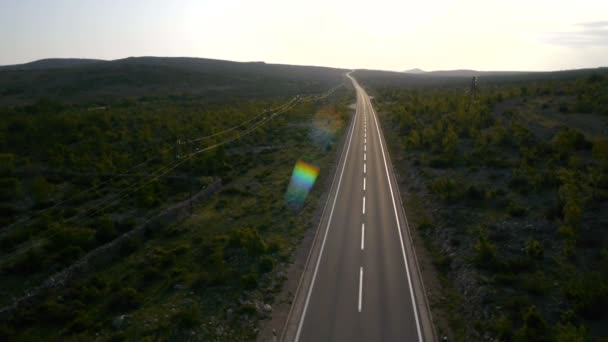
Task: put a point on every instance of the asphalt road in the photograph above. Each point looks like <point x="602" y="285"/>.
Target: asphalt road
<point x="361" y="282"/>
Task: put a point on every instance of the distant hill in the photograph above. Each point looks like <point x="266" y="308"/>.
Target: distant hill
<point x="459" y="72"/>
<point x="52" y="63"/>
<point x="73" y="80"/>
<point x="378" y="78"/>
<point x="415" y="71"/>
<point x="471" y="73"/>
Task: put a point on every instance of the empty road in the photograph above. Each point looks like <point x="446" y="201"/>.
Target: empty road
<point x="361" y="282"/>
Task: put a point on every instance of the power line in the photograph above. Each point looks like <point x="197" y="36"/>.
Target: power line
<point x="164" y="170"/>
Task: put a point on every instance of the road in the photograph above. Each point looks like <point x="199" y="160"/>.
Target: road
<point x="361" y="282"/>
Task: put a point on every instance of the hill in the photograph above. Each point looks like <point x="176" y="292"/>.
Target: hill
<point x="415" y="71"/>
<point x="52" y="63"/>
<point x="84" y="81"/>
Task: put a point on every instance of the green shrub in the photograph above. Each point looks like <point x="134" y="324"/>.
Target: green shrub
<point x="589" y="294"/>
<point x="105" y="230"/>
<point x="10" y="189"/>
<point x="187" y="318"/>
<point x="41" y="190"/>
<point x="247" y="239"/>
<point x="249" y="281"/>
<point x="568" y="139"/>
<point x="534" y="328"/>
<point x="516" y="210"/>
<point x="535" y="249"/>
<point x="600" y="149"/>
<point x="502" y="327"/>
<point x="445" y="188"/>
<point x="570" y="333"/>
<point x="66" y="236"/>
<point x="7" y="164"/>
<point x="485" y="250"/>
<point x="55" y="313"/>
<point x="266" y="264"/>
<point x="276" y="245"/>
<point x="35" y="259"/>
<point x="474" y="193"/>
<point x="125" y="299"/>
<point x="535" y="283"/>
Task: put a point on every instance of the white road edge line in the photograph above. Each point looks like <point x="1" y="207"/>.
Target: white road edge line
<point x="363" y="236"/>
<point x="407" y="269"/>
<point x="331" y="214"/>
<point x="360" y="286"/>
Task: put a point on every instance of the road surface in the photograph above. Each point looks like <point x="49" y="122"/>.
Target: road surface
<point x="361" y="282"/>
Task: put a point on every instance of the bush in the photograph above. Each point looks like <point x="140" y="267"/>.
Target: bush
<point x="535" y="249"/>
<point x="568" y="139"/>
<point x="187" y="318"/>
<point x="485" y="250"/>
<point x="247" y="239"/>
<point x="10" y="189"/>
<point x="32" y="261"/>
<point x="535" y="283"/>
<point x="41" y="190"/>
<point x="474" y="193"/>
<point x="502" y="327"/>
<point x="570" y="333"/>
<point x="105" y="230"/>
<point x="64" y="236"/>
<point x="445" y="188"/>
<point x="125" y="299"/>
<point x="516" y="210"/>
<point x="7" y="164"/>
<point x="589" y="294"/>
<point x="266" y="264"/>
<point x="600" y="149"/>
<point x="534" y="328"/>
<point x="249" y="281"/>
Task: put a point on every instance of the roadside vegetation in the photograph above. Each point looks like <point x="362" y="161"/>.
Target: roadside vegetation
<point x="513" y="181"/>
<point x="77" y="176"/>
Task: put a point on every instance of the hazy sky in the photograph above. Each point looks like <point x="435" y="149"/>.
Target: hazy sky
<point x="380" y="34"/>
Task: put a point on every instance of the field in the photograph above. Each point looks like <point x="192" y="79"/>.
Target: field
<point x="507" y="185"/>
<point x="99" y="238"/>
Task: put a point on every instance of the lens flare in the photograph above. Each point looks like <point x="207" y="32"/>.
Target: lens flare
<point x="325" y="125"/>
<point x="302" y="179"/>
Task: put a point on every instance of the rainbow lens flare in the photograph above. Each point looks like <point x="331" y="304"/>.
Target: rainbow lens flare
<point x="302" y="179"/>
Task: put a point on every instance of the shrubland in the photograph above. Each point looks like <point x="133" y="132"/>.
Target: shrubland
<point x="513" y="176"/>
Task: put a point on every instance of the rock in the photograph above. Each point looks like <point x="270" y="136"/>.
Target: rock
<point x="120" y="322"/>
<point x="267" y="308"/>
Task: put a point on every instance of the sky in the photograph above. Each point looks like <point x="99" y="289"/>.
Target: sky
<point x="379" y="34"/>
